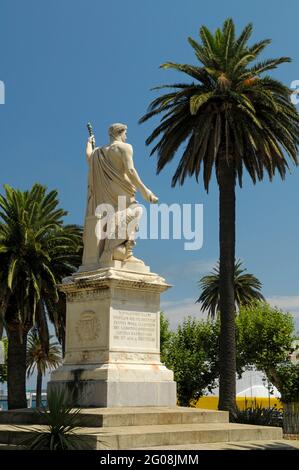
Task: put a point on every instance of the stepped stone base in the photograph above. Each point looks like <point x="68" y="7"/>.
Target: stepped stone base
<point x="146" y="428"/>
<point x="124" y="416"/>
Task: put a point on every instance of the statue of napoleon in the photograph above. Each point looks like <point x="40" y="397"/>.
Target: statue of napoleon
<point x="112" y="176"/>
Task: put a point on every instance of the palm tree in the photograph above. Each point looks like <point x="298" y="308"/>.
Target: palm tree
<point x="231" y="117"/>
<point x="41" y="360"/>
<point x="247" y="289"/>
<point x="36" y="252"/>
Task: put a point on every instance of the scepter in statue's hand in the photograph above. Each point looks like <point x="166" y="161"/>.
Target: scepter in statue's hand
<point x="91" y="135"/>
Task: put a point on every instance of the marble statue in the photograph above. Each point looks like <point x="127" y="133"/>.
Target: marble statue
<point x="112" y="349"/>
<point x="112" y="174"/>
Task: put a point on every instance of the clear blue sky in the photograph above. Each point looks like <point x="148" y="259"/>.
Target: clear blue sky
<point x="67" y="62"/>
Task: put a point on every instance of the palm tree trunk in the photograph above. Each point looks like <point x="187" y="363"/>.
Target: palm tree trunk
<point x="39" y="380"/>
<point x="227" y="359"/>
<point x="3" y="306"/>
<point x="16" y="367"/>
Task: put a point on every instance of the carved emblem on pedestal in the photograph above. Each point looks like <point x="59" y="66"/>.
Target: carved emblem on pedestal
<point x="88" y="327"/>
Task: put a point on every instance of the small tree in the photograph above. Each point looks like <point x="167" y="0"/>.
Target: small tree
<point x="264" y="338"/>
<point x="192" y="354"/>
<point x="165" y="336"/>
<point x="40" y="359"/>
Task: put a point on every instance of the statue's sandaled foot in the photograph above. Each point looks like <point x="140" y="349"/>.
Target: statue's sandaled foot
<point x="132" y="259"/>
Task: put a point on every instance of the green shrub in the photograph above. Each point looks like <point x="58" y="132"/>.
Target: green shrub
<point x="258" y="415"/>
<point x="61" y="424"/>
<point x="288" y="378"/>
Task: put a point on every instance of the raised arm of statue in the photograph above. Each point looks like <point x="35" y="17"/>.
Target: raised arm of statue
<point x="127" y="153"/>
<point x="89" y="148"/>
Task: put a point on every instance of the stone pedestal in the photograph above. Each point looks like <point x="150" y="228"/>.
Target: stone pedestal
<point x="113" y="339"/>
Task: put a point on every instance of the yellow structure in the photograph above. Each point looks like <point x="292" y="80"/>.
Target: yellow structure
<point x="211" y="402"/>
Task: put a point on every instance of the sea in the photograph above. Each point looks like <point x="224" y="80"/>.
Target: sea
<point x="31" y="401"/>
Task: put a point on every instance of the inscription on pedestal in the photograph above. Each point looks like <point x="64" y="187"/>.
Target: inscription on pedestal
<point x="134" y="330"/>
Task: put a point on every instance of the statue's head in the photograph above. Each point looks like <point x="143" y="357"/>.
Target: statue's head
<point x="118" y="132"/>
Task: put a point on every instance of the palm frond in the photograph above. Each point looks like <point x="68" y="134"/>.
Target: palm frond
<point x="259" y="125"/>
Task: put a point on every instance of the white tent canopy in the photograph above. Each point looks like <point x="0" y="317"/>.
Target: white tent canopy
<point x="252" y="384"/>
<point x="259" y="391"/>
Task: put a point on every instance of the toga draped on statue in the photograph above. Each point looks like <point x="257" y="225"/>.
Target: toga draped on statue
<point x="105" y="183"/>
<point x="112" y="213"/>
